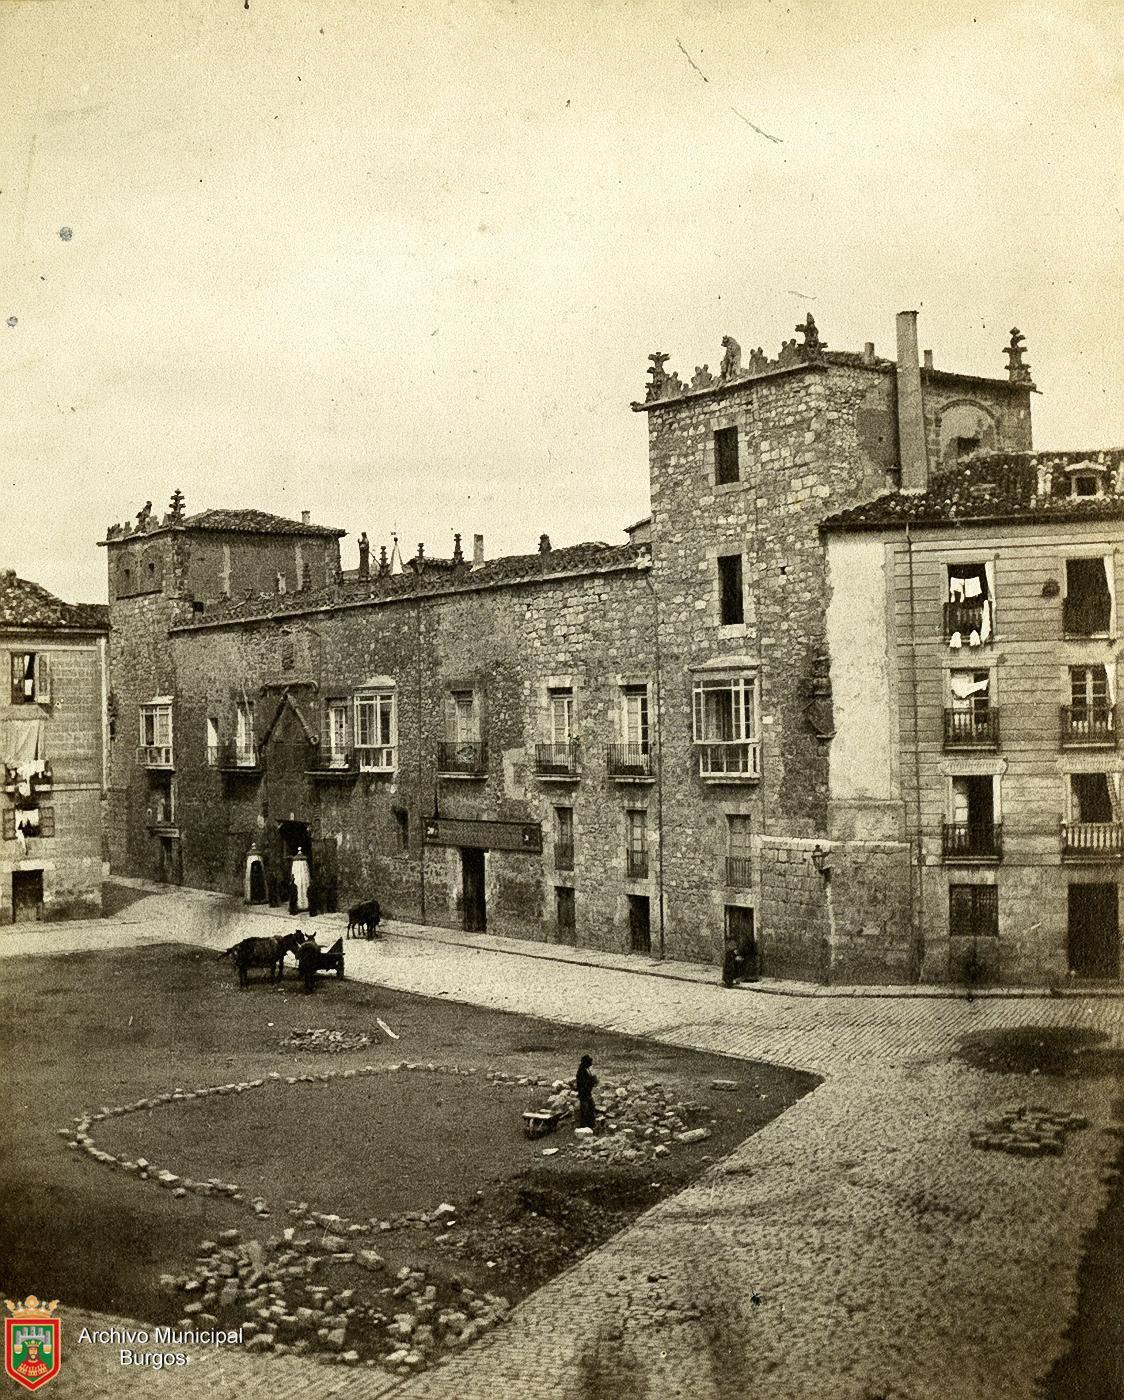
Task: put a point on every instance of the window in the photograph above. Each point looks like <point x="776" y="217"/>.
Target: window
<point x="725" y="727"/>
<point x="22" y="822"/>
<point x="1094" y="829"/>
<point x="338" y="733"/>
<point x="1086" y="486"/>
<point x="402" y="823"/>
<point x="164" y="804"/>
<point x="636" y="853"/>
<point x="564" y="913"/>
<point x="245" y="753"/>
<point x="156" y="735"/>
<point x="973" y="911"/>
<point x="739" y="869"/>
<point x="1088" y="597"/>
<point x="1089" y="718"/>
<point x="970" y="716"/>
<point x="560" y="705"/>
<point x="1092" y="797"/>
<point x="731" y="605"/>
<point x="31" y="678"/>
<point x="563" y="838"/>
<point x="288" y="651"/>
<point x="635" y="717"/>
<point x="726" y="468"/>
<point x="969" y="611"/>
<point x="375" y="726"/>
<point x="212" y="740"/>
<point x="972" y="833"/>
<point x="463" y="726"/>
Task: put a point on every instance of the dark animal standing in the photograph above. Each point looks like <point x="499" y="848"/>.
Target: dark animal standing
<point x="364" y="919"/>
<point x="311" y="959"/>
<point x="264" y="952"/>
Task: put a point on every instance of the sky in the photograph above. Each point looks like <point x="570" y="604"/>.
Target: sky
<point x="402" y="265"/>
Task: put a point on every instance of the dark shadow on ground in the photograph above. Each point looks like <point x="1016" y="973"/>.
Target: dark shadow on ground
<point x="1057" y="1051"/>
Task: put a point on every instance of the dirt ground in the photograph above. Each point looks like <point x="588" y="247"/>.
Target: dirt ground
<point x="85" y="1031"/>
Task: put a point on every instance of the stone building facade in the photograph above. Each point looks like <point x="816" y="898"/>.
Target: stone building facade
<point x="975" y="648"/>
<point x="52" y="741"/>
<point x="626" y="747"/>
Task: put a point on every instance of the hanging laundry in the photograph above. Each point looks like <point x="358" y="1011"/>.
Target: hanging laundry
<point x="962" y="685"/>
<point x="974" y="638"/>
<point x="985" y="621"/>
<point x="954" y="641"/>
<point x="972" y="588"/>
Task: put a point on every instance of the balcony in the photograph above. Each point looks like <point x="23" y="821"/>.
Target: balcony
<point x="964" y="618"/>
<point x="375" y="758"/>
<point x="563" y="855"/>
<point x="736" y="761"/>
<point x="340" y="766"/>
<point x="971" y="841"/>
<point x="559" y="761"/>
<point x="27" y="779"/>
<point x="465" y="758"/>
<point x="1092" y="840"/>
<point x="630" y="763"/>
<point x="739" y="872"/>
<point x="154" y="756"/>
<point x="1092" y="726"/>
<point x="636" y="865"/>
<point x="971" y="729"/>
<point x="234" y="757"/>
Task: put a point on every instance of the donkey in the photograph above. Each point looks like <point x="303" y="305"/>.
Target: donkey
<point x="264" y="952"/>
<point x="363" y="920"/>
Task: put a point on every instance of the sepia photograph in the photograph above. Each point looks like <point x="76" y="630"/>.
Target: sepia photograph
<point x="562" y="832"/>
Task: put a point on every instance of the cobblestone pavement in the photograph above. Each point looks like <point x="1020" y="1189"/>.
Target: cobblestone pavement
<point x="855" y="1248"/>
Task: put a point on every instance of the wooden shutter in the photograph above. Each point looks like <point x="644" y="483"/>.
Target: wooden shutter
<point x="9" y="824"/>
<point x="46" y="821"/>
<point x="43" y="679"/>
<point x="17" y="677"/>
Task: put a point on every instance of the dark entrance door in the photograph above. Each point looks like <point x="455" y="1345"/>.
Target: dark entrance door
<point x="739" y="930"/>
<point x="472" y="883"/>
<point x="27" y="896"/>
<point x="258" y="892"/>
<point x="1094" y="931"/>
<point x="293" y="836"/>
<point x="171" y="866"/>
<point x="639" y="924"/>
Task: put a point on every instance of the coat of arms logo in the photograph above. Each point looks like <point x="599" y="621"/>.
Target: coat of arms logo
<point x="32" y="1342"/>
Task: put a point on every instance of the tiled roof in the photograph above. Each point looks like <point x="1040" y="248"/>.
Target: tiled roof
<point x="504" y="572"/>
<point x="256" y="522"/>
<point x="243" y="522"/>
<point x="999" y="486"/>
<point x="28" y="605"/>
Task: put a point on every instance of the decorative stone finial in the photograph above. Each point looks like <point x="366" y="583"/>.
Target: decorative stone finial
<point x="144" y="517"/>
<point x="731" y="358"/>
<point x="383" y="565"/>
<point x="1017" y="372"/>
<point x="811" y="352"/>
<point x="702" y="377"/>
<point x="364" y="556"/>
<point x="458" y="553"/>
<point x="655" y="387"/>
<point x="176" y="506"/>
<point x="544" y="544"/>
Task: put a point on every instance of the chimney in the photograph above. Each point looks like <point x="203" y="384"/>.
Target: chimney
<point x="477" y="551"/>
<point x="306" y="516"/>
<point x="911" y="408"/>
<point x="868" y="353"/>
<point x="364" y="556"/>
<point x="928" y="359"/>
<point x="544" y="544"/>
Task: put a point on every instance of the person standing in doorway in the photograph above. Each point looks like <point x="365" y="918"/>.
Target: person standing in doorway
<point x="585" y="1082"/>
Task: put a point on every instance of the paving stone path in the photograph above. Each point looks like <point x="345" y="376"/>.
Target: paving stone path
<point x="857" y="1248"/>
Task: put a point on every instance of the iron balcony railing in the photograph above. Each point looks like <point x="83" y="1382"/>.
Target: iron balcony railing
<point x="964" y="618"/>
<point x="462" y="756"/>
<point x="629" y="761"/>
<point x="154" y="755"/>
<point x="1089" y="724"/>
<point x="1093" y="840"/>
<point x="972" y="840"/>
<point x="563" y="855"/>
<point x="557" y="760"/>
<point x="237" y="757"/>
<point x="739" y="872"/>
<point x="636" y="865"/>
<point x="975" y="729"/>
<point x="341" y="764"/>
<point x="740" y="758"/>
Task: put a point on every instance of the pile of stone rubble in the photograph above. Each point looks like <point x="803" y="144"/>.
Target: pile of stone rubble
<point x="287" y="1308"/>
<point x="331" y="1042"/>
<point x="1027" y="1131"/>
<point x="638" y="1121"/>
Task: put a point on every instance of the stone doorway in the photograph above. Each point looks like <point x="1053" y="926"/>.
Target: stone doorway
<point x="1093" y="941"/>
<point x="27" y="896"/>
